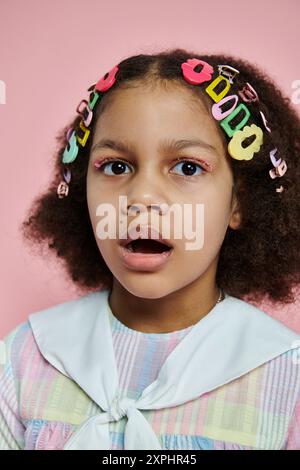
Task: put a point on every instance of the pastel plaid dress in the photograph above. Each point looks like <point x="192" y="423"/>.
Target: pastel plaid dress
<point x="42" y="408"/>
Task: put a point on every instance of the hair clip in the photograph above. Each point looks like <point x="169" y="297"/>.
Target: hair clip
<point x="69" y="132"/>
<point x="94" y="96"/>
<point x="280" y="166"/>
<point x="62" y="189"/>
<point x="217" y="113"/>
<point x="107" y="81"/>
<point x="228" y="71"/>
<point x="248" y="94"/>
<point x="225" y="123"/>
<point x="279" y="170"/>
<point x="80" y="111"/>
<point x="196" y="78"/>
<point x="265" y="121"/>
<point x="235" y="148"/>
<point x="275" y="162"/>
<point x="210" y="89"/>
<point x="67" y="175"/>
<point x="86" y="133"/>
<point x="71" y="150"/>
<point x="85" y="112"/>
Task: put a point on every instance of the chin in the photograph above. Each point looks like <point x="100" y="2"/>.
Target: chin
<point x="147" y="287"/>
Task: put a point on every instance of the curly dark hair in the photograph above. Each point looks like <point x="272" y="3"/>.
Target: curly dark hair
<point x="259" y="259"/>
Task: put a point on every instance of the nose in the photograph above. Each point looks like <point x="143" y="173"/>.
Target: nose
<point x="144" y="194"/>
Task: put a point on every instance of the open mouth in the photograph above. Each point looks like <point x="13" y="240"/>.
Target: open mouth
<point x="147" y="246"/>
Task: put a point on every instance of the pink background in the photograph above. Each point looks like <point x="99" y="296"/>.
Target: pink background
<point x="52" y="50"/>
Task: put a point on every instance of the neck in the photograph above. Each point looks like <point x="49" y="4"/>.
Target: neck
<point x="175" y="311"/>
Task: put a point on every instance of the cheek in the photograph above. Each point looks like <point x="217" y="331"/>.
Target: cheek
<point x="99" y="202"/>
<point x="92" y="207"/>
<point x="90" y="194"/>
<point x="216" y="219"/>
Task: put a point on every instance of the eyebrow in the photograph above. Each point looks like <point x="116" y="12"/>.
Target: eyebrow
<point x="166" y="145"/>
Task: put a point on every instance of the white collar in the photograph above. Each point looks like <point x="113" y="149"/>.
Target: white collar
<point x="75" y="337"/>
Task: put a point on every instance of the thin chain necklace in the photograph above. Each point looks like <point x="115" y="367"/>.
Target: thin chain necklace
<point x="221" y="296"/>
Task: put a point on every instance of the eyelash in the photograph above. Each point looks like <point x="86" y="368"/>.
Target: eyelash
<point x="100" y="166"/>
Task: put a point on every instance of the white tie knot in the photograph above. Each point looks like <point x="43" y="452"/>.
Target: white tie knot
<point x="119" y="407"/>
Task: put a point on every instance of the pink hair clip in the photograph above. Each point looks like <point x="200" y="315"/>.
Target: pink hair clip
<point x="69" y="132"/>
<point x="85" y="112"/>
<point x="196" y="78"/>
<point x="107" y="81"/>
<point x="248" y="94"/>
<point x="279" y="170"/>
<point x="63" y="187"/>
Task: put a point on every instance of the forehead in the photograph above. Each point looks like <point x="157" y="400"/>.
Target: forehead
<point x="141" y="113"/>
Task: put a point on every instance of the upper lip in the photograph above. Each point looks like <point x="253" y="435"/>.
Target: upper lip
<point x="143" y="234"/>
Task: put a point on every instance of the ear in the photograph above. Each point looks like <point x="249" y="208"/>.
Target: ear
<point x="236" y="215"/>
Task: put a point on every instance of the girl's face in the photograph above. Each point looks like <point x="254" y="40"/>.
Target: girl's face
<point x="147" y="121"/>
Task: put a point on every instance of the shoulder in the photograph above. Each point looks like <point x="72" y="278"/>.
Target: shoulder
<point x="286" y="368"/>
<point x="282" y="372"/>
<point x="70" y="310"/>
<point x="19" y="352"/>
<point x="19" y="347"/>
<point x="250" y="320"/>
<point x="21" y="340"/>
<point x="14" y="342"/>
<point x="58" y="328"/>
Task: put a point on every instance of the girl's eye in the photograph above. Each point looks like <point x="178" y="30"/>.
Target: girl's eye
<point x="189" y="167"/>
<point x="117" y="167"/>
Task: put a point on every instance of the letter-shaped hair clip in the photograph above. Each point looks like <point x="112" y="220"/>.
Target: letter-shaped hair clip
<point x="279" y="170"/>
<point x="225" y="123"/>
<point x="196" y="78"/>
<point x="69" y="132"/>
<point x="210" y="89"/>
<point x="80" y="108"/>
<point x="216" y="110"/>
<point x="280" y="166"/>
<point x="71" y="150"/>
<point x="235" y="148"/>
<point x="86" y="133"/>
<point x="86" y="113"/>
<point x="265" y="121"/>
<point x="94" y="96"/>
<point x="67" y="175"/>
<point x="107" y="81"/>
<point x="275" y="162"/>
<point x="248" y="94"/>
<point x="63" y="187"/>
<point x="228" y="72"/>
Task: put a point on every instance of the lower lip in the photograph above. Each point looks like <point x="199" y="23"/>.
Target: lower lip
<point x="144" y="261"/>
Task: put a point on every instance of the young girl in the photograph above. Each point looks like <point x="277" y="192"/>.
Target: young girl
<point x="161" y="351"/>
